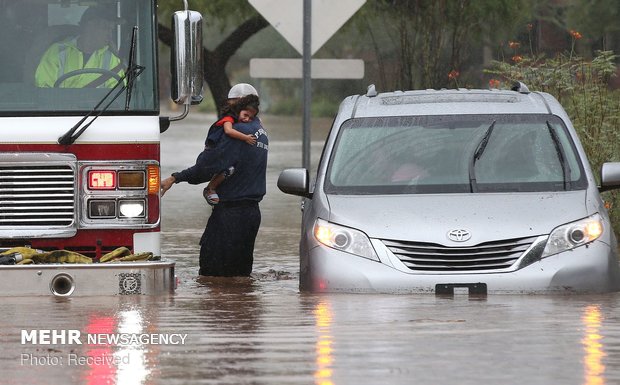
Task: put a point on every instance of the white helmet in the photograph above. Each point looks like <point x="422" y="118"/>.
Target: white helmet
<point x="241" y="90"/>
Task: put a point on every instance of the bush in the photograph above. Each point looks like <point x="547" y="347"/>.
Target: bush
<point x="321" y="107"/>
<point x="324" y="107"/>
<point x="582" y="87"/>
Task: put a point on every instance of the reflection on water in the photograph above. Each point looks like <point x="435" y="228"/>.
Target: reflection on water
<point x="231" y="310"/>
<point x="100" y="370"/>
<point x="120" y="362"/>
<point x="132" y="368"/>
<point x="592" y="341"/>
<point x="324" y="359"/>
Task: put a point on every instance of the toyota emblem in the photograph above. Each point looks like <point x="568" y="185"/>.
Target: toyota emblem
<point x="459" y="235"/>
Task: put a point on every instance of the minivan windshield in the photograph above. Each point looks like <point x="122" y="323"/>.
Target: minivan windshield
<point x="454" y="154"/>
<point x="63" y="57"/>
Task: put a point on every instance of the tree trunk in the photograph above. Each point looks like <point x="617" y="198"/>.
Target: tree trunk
<point x="214" y="62"/>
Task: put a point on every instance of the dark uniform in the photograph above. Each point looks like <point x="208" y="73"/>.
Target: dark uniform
<point x="227" y="244"/>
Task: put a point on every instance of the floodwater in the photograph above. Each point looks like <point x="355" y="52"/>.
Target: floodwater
<point x="261" y="330"/>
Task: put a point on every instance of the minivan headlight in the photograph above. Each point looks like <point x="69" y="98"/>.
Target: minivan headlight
<point x="344" y="239"/>
<point x="573" y="235"/>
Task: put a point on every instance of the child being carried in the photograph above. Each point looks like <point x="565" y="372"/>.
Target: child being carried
<point x="242" y="110"/>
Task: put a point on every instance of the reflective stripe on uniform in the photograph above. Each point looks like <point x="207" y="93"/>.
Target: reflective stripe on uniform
<point x="62" y="59"/>
<point x="107" y="58"/>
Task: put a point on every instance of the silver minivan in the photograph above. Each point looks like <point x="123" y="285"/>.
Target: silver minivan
<point x="477" y="191"/>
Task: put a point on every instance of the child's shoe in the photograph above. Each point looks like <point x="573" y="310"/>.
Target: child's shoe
<point x="211" y="196"/>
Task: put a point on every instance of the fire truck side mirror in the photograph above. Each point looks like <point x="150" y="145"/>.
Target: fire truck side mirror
<point x="186" y="57"/>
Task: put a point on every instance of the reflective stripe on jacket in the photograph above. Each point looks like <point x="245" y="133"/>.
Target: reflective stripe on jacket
<point x="64" y="57"/>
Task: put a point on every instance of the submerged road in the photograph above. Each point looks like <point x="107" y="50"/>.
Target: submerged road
<point x="261" y="330"/>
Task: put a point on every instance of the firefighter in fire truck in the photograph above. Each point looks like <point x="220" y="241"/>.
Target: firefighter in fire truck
<point x="88" y="60"/>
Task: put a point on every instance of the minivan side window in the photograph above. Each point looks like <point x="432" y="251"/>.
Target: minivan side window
<point x="454" y="154"/>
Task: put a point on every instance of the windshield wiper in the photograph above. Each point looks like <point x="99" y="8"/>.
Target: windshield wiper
<point x="133" y="71"/>
<point x="482" y="145"/>
<point x="131" y="75"/>
<point x="561" y="156"/>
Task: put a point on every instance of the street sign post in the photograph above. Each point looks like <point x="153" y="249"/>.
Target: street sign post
<point x="286" y="16"/>
<point x="321" y="68"/>
<point x="319" y="20"/>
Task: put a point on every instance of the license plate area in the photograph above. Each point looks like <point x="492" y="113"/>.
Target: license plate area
<point x="461" y="288"/>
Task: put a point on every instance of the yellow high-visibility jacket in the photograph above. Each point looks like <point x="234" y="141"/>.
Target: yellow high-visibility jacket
<point x="64" y="57"/>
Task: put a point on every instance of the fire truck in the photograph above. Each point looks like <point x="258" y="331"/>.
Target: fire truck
<point x="79" y="156"/>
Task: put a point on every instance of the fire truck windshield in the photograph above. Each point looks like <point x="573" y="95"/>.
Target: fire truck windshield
<point x="63" y="57"/>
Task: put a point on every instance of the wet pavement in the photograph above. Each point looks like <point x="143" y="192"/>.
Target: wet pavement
<point x="261" y="330"/>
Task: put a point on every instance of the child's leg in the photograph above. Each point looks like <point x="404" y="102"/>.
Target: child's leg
<point x="216" y="181"/>
<point x="209" y="192"/>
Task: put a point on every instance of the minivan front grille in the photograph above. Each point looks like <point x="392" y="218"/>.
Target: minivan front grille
<point x="431" y="257"/>
<point x="36" y="195"/>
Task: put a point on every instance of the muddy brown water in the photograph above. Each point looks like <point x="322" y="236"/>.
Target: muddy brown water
<point x="261" y="330"/>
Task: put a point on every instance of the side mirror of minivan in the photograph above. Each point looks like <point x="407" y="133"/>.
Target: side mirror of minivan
<point x="295" y="181"/>
<point x="610" y="176"/>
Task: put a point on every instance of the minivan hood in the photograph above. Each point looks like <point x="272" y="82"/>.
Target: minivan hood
<point x="429" y="218"/>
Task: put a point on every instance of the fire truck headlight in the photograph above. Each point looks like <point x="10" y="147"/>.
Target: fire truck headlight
<point x="131" y="208"/>
<point x="102" y="208"/>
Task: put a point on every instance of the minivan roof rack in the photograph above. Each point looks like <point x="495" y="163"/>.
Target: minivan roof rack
<point x="520" y="87"/>
<point x="372" y="91"/>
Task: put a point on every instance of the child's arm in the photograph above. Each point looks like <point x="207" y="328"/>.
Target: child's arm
<point x="230" y="131"/>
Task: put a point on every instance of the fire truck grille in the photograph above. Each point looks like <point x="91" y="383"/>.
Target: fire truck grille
<point x="37" y="195"/>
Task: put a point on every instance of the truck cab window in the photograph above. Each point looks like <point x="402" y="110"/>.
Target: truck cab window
<point x="64" y="57"/>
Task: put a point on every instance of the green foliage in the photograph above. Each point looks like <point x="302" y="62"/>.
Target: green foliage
<point x="221" y="11"/>
<point x="405" y="44"/>
<point x="324" y="107"/>
<point x="286" y="107"/>
<point x="594" y="17"/>
<point x="321" y="107"/>
<point x="581" y="86"/>
<point x="418" y="42"/>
